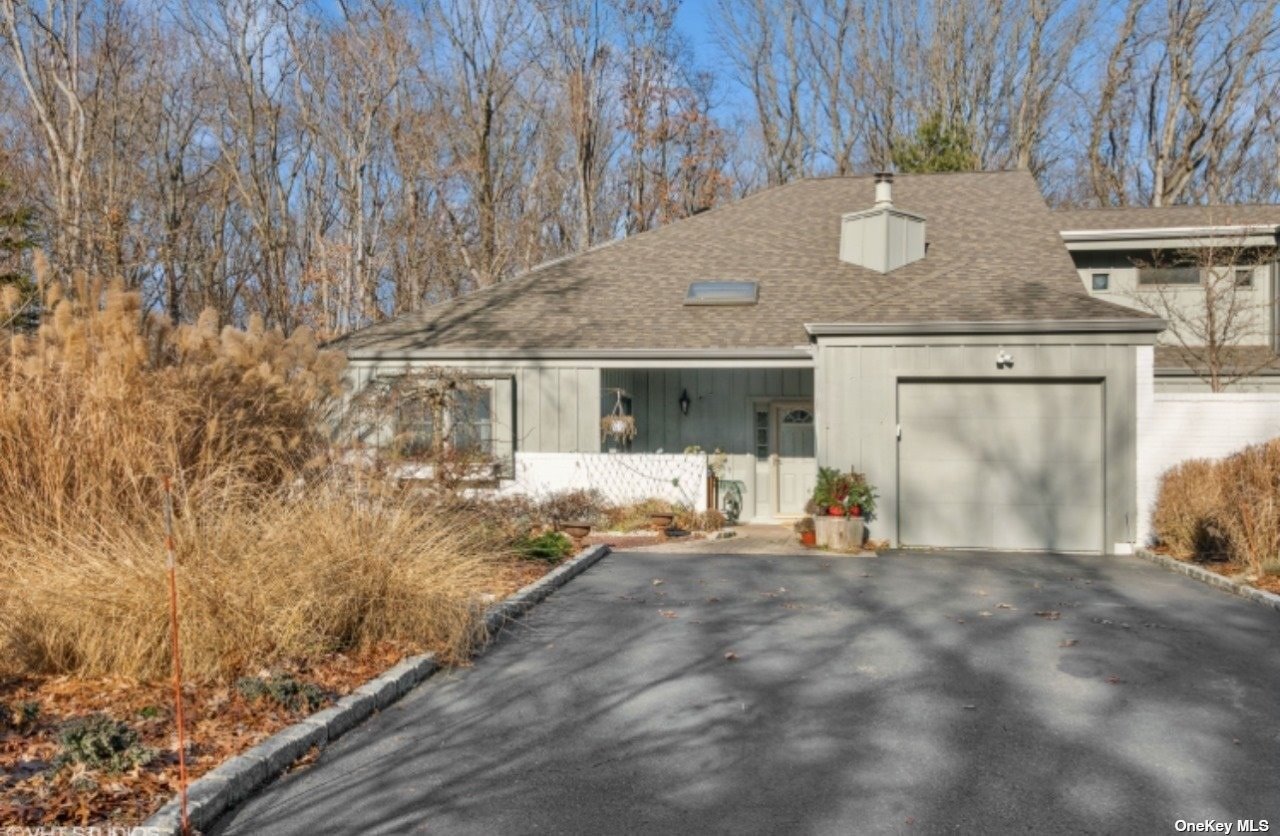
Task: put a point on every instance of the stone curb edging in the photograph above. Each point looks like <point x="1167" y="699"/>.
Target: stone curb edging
<point x="1258" y="596"/>
<point x="235" y="779"/>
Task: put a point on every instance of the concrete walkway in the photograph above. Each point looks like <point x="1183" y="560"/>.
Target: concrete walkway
<point x="741" y="693"/>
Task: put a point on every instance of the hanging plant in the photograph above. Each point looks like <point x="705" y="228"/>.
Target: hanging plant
<point x="616" y="424"/>
<point x="621" y="427"/>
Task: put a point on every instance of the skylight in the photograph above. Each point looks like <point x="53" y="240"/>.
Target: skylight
<point x="722" y="293"/>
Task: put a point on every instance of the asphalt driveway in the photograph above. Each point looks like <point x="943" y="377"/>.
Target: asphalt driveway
<point x="895" y="694"/>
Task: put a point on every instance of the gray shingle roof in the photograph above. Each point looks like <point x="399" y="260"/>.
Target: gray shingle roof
<point x="994" y="254"/>
<point x="1244" y="359"/>
<point x="1145" y="217"/>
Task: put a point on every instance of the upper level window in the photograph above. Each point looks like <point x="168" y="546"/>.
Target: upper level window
<point x="1101" y="281"/>
<point x="1244" y="277"/>
<point x="1188" y="274"/>
<point x="722" y="293"/>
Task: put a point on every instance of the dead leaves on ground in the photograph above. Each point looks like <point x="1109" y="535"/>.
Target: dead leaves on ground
<point x="221" y="724"/>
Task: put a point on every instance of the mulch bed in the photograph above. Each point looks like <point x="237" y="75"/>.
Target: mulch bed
<point x="220" y="721"/>
<point x="1228" y="569"/>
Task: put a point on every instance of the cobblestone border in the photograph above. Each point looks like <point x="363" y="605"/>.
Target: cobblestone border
<point x="1258" y="596"/>
<point x="235" y="779"/>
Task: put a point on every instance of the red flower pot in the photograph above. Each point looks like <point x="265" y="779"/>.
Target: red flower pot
<point x="835" y="511"/>
<point x="855" y="511"/>
<point x="808" y="538"/>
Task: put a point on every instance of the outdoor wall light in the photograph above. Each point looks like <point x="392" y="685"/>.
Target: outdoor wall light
<point x="1004" y="360"/>
<point x="684" y="402"/>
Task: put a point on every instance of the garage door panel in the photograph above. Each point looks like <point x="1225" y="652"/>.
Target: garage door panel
<point x="1036" y="527"/>
<point x="1015" y="465"/>
<point x="957" y="522"/>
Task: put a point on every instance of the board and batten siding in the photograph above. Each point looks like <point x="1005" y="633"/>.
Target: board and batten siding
<point x="556" y="408"/>
<point x="856" y="396"/>
<point x="720" y="410"/>
<point x="721" y="415"/>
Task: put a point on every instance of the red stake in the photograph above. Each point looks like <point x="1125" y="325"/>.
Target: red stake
<point x="177" y="654"/>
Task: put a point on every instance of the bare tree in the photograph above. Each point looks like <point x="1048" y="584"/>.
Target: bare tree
<point x="1213" y="297"/>
<point x="763" y="40"/>
<point x="581" y="68"/>
<point x="1184" y="99"/>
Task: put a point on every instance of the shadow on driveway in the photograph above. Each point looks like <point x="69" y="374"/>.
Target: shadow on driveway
<point x="909" y="693"/>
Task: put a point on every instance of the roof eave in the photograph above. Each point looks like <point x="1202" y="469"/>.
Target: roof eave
<point x="639" y="354"/>
<point x="1071" y="236"/>
<point x="1125" y="325"/>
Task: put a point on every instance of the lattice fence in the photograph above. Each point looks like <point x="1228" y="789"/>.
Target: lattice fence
<point x="622" y="477"/>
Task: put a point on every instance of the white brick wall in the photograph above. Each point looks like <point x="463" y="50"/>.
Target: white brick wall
<point x="622" y="477"/>
<point x="1174" y="427"/>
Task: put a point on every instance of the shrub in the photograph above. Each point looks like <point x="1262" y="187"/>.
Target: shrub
<point x="1250" y="511"/>
<point x="587" y="506"/>
<point x="283" y="690"/>
<point x="551" y="546"/>
<point x="635" y="517"/>
<point x="708" y="520"/>
<point x="99" y="742"/>
<point x="280" y="558"/>
<point x="1226" y="509"/>
<point x="1188" y="508"/>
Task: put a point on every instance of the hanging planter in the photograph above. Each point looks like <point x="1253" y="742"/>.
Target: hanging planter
<point x="617" y="425"/>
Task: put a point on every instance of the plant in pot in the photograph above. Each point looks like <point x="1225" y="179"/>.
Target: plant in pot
<point x="841" y="490"/>
<point x="826" y="492"/>
<point x="807" y="531"/>
<point x="862" y="497"/>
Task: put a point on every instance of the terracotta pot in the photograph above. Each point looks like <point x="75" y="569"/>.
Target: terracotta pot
<point x="808" y="538"/>
<point x="835" y="511"/>
<point x="576" y="530"/>
<point x="662" y="521"/>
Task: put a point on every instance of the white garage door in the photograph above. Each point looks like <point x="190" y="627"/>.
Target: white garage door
<point x="1014" y="465"/>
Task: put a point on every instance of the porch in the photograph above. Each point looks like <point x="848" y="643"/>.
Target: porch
<point x="761" y="419"/>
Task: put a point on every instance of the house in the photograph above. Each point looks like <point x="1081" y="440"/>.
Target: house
<point x="940" y="333"/>
<point x="1160" y="260"/>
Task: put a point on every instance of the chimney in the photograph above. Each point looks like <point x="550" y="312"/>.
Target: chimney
<point x="882" y="238"/>
<point x="884" y="189"/>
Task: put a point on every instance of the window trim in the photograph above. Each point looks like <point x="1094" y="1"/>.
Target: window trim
<point x="1106" y="282"/>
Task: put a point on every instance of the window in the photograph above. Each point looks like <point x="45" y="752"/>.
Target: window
<point x="1244" y="277"/>
<point x="762" y="434"/>
<point x="414" y="428"/>
<point x="798" y="416"/>
<point x="722" y="293"/>
<point x="471" y="421"/>
<point x="1179" y="274"/>
<point x="1101" y="281"/>
<point x="468" y="424"/>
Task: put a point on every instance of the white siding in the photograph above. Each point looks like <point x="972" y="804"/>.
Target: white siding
<point x="1174" y="427"/>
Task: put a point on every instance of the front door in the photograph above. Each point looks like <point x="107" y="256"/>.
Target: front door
<point x="794" y="467"/>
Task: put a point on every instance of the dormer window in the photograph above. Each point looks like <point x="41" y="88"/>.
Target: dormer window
<point x="722" y="293"/>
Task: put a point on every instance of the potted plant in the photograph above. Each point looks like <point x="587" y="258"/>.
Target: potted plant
<point x="862" y="497"/>
<point x="662" y="520"/>
<point x="577" y="529"/>
<point x="807" y="531"/>
<point x="824" y="493"/>
<point x="841" y="489"/>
